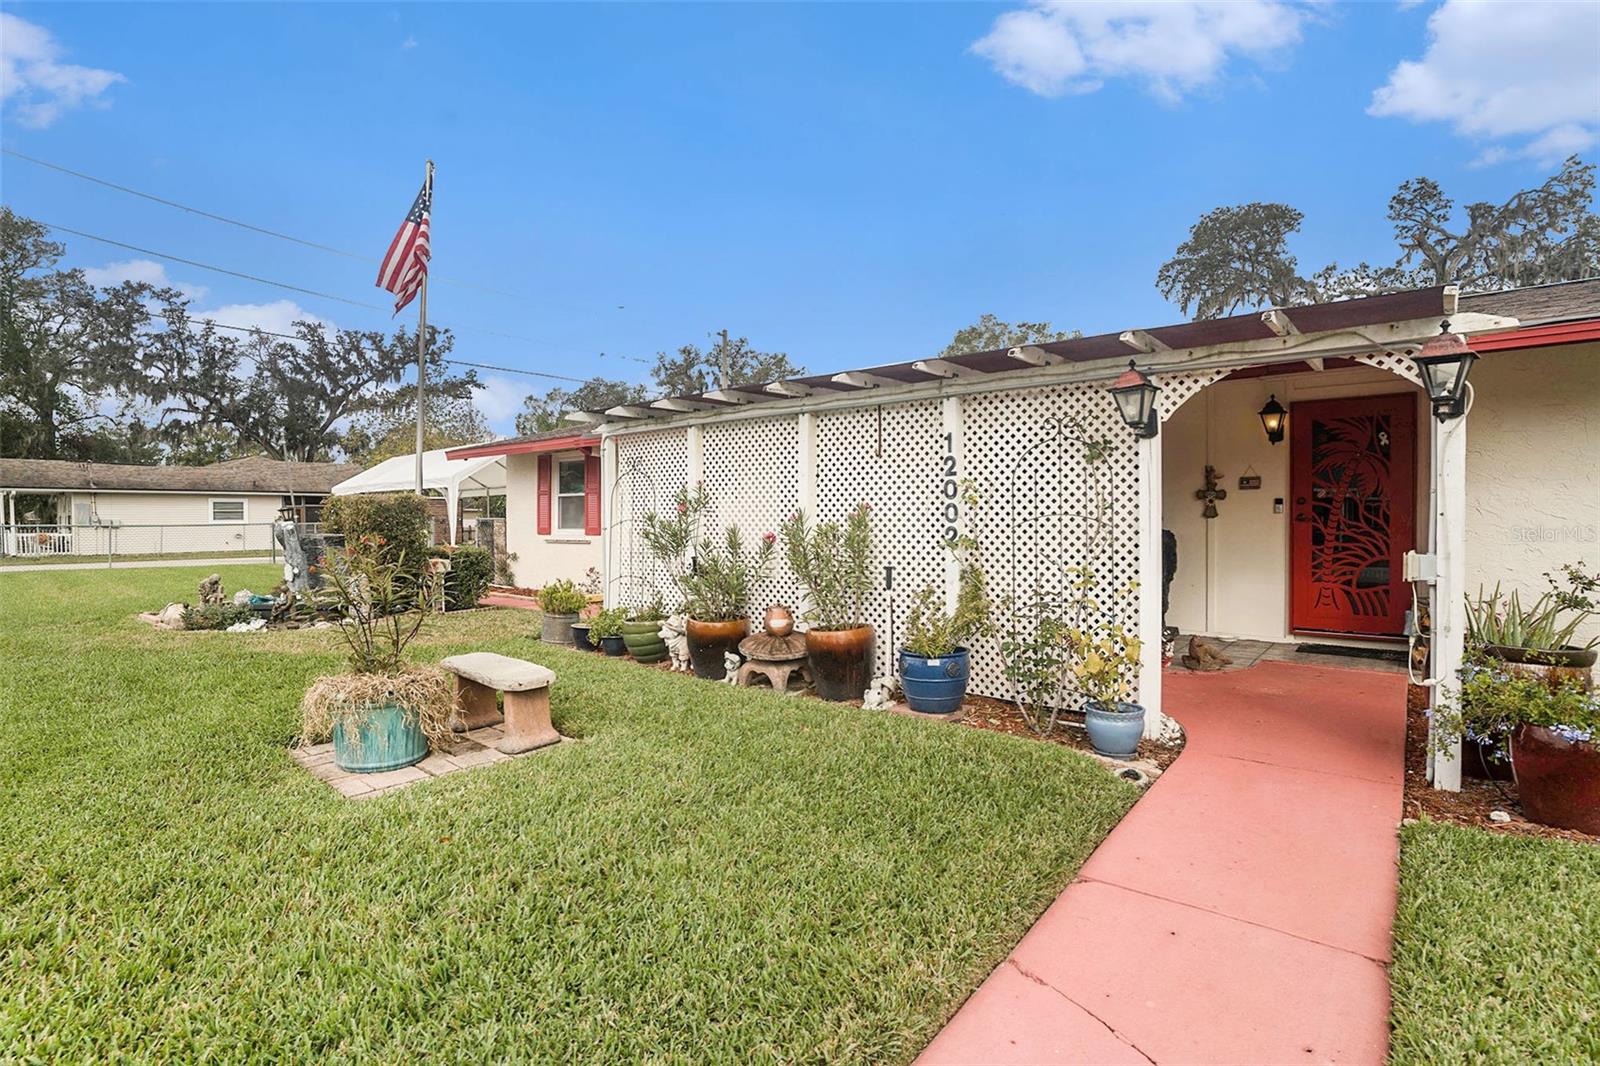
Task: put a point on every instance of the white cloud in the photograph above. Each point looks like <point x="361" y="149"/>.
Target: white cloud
<point x="147" y="271"/>
<point x="408" y="44"/>
<point x="276" y="317"/>
<point x="1174" y="47"/>
<point x="499" y="399"/>
<point x="1525" y="73"/>
<point x="34" y="85"/>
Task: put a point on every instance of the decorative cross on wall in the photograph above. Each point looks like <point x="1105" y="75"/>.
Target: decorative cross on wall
<point x="1211" y="494"/>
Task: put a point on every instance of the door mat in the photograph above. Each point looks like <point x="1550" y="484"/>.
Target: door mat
<point x="1388" y="655"/>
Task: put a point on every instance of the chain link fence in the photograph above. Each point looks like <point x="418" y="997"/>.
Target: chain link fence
<point x="80" y="544"/>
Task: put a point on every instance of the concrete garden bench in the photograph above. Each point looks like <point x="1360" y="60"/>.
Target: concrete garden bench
<point x="480" y="674"/>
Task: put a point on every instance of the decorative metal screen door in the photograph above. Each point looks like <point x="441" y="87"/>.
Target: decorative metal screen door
<point x="1354" y="486"/>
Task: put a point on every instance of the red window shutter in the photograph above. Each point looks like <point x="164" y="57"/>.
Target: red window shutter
<point x="544" y="494"/>
<point x="591" y="495"/>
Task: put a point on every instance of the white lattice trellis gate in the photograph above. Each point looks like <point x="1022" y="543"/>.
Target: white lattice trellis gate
<point x="1038" y="510"/>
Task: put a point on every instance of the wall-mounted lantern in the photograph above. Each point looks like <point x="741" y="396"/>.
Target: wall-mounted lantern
<point x="1445" y="361"/>
<point x="1273" y="417"/>
<point x="1136" y="400"/>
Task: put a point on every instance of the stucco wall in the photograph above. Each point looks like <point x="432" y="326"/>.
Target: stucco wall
<point x="1233" y="570"/>
<point x="540" y="559"/>
<point x="1533" y="467"/>
<point x="184" y="521"/>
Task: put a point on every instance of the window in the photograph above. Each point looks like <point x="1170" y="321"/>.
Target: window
<point x="227" y="510"/>
<point x="569" y="495"/>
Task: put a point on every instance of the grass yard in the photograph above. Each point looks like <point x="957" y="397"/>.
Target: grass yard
<point x="711" y="875"/>
<point x="1497" y="948"/>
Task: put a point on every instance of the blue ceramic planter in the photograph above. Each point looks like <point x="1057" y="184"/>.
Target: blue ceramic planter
<point x="1114" y="731"/>
<point x="387" y="739"/>
<point x="934" y="685"/>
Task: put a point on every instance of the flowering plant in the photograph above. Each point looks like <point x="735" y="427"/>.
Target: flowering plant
<point x="833" y="561"/>
<point x="1496" y="698"/>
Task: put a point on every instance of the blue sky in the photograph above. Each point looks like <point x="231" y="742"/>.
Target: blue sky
<point x="847" y="183"/>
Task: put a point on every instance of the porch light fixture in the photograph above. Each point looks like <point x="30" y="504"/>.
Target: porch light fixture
<point x="1444" y="362"/>
<point x="1136" y="400"/>
<point x="1273" y="417"/>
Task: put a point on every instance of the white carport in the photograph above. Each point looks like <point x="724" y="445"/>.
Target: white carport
<point x="450" y="478"/>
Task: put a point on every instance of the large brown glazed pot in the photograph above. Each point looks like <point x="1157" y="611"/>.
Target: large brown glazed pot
<point x="709" y="642"/>
<point x="840" y="662"/>
<point x="1558" y="780"/>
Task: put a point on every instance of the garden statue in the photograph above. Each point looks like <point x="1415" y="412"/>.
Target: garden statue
<point x="880" y="694"/>
<point x="730" y="667"/>
<point x="675" y="633"/>
<point x="211" y="590"/>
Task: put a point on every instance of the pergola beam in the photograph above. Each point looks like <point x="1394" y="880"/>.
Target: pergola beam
<point x="861" y="379"/>
<point x="1279" y="323"/>
<point x="628" y="411"/>
<point x="943" y="368"/>
<point x="1141" y="341"/>
<point x="1033" y="355"/>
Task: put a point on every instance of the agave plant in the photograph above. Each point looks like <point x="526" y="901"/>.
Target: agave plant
<point x="1550" y="623"/>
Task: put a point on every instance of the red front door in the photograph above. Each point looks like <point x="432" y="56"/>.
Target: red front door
<point x="1354" y="492"/>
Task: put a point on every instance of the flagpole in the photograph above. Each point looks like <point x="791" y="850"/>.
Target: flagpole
<point x="422" y="341"/>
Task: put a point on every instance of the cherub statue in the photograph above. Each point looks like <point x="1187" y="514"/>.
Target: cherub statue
<point x="880" y="694"/>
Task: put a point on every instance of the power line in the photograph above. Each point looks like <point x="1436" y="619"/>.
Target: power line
<point x="292" y="288"/>
<point x="236" y="222"/>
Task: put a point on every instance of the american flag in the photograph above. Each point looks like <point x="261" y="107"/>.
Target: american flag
<point x="406" y="262"/>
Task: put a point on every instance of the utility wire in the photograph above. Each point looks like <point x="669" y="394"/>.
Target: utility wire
<point x="235" y="222"/>
<point x="286" y="285"/>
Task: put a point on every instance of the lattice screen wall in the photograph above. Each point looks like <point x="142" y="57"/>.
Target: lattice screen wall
<point x="1039" y="510"/>
<point x="752" y="477"/>
<point x="651" y="467"/>
<point x="888" y="457"/>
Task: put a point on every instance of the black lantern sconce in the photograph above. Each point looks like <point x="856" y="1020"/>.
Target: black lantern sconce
<point x="1136" y="400"/>
<point x="1273" y="418"/>
<point x="1445" y="361"/>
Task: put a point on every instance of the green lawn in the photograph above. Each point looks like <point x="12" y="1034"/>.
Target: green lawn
<point x="711" y="875"/>
<point x="1497" y="949"/>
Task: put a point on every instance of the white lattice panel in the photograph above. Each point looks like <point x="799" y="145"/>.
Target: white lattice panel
<point x="752" y="477"/>
<point x="888" y="457"/>
<point x="651" y="468"/>
<point x="1043" y="507"/>
<point x="1180" y="385"/>
<point x="1395" y="364"/>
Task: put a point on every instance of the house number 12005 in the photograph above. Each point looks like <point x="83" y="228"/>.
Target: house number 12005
<point x="949" y="488"/>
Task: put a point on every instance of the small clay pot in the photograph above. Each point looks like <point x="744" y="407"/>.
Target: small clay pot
<point x="709" y="642"/>
<point x="1558" y="780"/>
<point x="840" y="662"/>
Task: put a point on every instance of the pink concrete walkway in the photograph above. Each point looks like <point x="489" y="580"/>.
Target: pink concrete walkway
<point x="1241" y="912"/>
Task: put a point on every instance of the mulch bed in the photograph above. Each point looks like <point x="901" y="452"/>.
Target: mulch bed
<point x="1470" y="806"/>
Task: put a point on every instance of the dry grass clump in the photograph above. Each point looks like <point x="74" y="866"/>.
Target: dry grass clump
<point x="423" y="691"/>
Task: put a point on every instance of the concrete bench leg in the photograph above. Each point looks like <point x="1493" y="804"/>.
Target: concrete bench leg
<point x="475" y="706"/>
<point x="527" y="722"/>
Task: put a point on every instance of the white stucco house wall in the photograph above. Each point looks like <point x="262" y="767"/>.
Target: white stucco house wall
<point x="553" y="503"/>
<point x="101" y="507"/>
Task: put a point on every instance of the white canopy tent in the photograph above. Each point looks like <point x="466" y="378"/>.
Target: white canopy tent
<point x="451" y="478"/>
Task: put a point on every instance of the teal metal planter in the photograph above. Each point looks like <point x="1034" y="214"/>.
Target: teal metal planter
<point x="387" y="738"/>
<point x="1114" y="731"/>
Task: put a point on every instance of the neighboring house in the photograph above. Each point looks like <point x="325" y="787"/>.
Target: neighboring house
<point x="1309" y="543"/>
<point x="553" y="502"/>
<point x="101" y="507"/>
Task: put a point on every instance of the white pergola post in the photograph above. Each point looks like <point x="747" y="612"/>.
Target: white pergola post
<point x="610" y="561"/>
<point x="952" y="463"/>
<point x="1448" y="605"/>
<point x="1150" y="522"/>
<point x="806" y="433"/>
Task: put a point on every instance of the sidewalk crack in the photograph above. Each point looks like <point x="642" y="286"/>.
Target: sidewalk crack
<point x="1036" y="979"/>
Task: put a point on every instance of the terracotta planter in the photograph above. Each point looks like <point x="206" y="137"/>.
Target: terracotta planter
<point x="709" y="642"/>
<point x="1558" y="780"/>
<point x="840" y="661"/>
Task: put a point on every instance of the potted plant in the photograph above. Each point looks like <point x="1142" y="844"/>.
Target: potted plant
<point x="935" y="660"/>
<point x="1103" y="658"/>
<point x="641" y="632"/>
<point x="560" y="601"/>
<point x="1542" y="635"/>
<point x="580" y="635"/>
<point x="1553" y="724"/>
<point x="716" y="585"/>
<point x="833" y="563"/>
<point x="382" y="713"/>
<point x="605" y="631"/>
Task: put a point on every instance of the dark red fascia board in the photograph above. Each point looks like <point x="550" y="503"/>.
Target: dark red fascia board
<point x="524" y="447"/>
<point x="1587" y="329"/>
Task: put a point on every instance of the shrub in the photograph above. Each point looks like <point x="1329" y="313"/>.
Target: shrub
<point x="215" y="616"/>
<point x="562" y="597"/>
<point x="399" y="518"/>
<point x="833" y="561"/>
<point x="607" y="623"/>
<point x="468" y="579"/>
